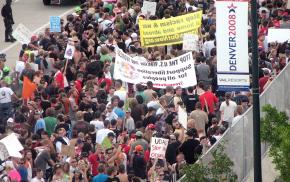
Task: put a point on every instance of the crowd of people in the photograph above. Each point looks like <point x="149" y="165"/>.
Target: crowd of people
<point x="82" y="124"/>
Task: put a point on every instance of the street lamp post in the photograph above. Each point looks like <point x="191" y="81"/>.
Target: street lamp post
<point x="255" y="90"/>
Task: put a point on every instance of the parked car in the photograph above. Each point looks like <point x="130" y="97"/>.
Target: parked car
<point x="49" y="2"/>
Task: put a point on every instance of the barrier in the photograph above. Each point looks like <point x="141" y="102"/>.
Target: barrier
<point x="238" y="139"/>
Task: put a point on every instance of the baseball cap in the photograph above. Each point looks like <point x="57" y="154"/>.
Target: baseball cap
<point x="128" y="110"/>
<point x="138" y="148"/>
<point x="151" y="126"/>
<point x="139" y="134"/>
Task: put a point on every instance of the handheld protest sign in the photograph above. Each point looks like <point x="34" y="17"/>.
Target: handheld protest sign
<point x="158" y="148"/>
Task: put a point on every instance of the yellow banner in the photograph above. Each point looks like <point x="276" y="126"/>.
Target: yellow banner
<point x="169" y="31"/>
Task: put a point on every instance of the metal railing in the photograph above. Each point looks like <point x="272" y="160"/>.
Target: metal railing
<point x="238" y="139"/>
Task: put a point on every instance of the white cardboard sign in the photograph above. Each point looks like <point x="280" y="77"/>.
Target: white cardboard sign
<point x="278" y="35"/>
<point x="149" y="7"/>
<point x="158" y="148"/>
<point x="190" y="42"/>
<point x="69" y="51"/>
<point x="22" y="34"/>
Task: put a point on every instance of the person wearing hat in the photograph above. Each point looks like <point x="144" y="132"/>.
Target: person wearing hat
<point x="6" y="13"/>
<point x="188" y="148"/>
<point x="139" y="141"/>
<point x="138" y="162"/>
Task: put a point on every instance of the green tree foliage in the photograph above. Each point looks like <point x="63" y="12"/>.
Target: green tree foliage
<point x="275" y="130"/>
<point x="218" y="170"/>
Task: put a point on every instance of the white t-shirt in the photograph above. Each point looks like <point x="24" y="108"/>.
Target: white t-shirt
<point x="101" y="134"/>
<point x="122" y="94"/>
<point x="228" y="110"/>
<point x="58" y="144"/>
<point x="5" y="95"/>
<point x="98" y="124"/>
<point x="20" y="66"/>
<point x="106" y="24"/>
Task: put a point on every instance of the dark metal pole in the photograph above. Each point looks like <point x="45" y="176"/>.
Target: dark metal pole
<point x="255" y="90"/>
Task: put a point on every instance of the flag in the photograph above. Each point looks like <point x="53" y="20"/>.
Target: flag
<point x="28" y="88"/>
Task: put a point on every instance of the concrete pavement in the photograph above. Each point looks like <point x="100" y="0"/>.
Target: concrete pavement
<point x="35" y="16"/>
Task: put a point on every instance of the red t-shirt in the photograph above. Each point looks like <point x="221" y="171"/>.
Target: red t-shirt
<point x="210" y="99"/>
<point x="262" y="83"/>
<point x="108" y="83"/>
<point x="59" y="79"/>
<point x="94" y="160"/>
<point x="78" y="85"/>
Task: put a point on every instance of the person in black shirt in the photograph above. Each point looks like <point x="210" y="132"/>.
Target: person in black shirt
<point x="6" y="13"/>
<point x="139" y="163"/>
<point x="150" y="118"/>
<point x="172" y="149"/>
<point x="188" y="148"/>
<point x="190" y="100"/>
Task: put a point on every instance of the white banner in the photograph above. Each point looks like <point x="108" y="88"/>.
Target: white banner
<point x="158" y="148"/>
<point x="22" y="34"/>
<point x="175" y="72"/>
<point x="232" y="45"/>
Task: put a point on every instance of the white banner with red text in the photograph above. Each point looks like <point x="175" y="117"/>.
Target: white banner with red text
<point x="175" y="72"/>
<point x="232" y="45"/>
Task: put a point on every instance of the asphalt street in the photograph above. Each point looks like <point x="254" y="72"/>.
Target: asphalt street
<point x="35" y="16"/>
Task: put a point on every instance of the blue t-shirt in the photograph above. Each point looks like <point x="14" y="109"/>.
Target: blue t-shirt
<point x="40" y="124"/>
<point x="100" y="178"/>
<point x="23" y="173"/>
<point x="120" y="113"/>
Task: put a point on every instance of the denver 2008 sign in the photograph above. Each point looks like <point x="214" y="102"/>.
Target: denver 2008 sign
<point x="232" y="45"/>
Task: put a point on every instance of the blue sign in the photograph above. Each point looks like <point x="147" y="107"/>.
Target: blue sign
<point x="55" y="24"/>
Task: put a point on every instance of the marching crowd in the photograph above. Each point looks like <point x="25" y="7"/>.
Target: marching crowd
<point x="82" y="124"/>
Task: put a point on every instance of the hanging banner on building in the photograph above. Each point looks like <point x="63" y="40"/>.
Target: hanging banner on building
<point x="54" y="24"/>
<point x="158" y="148"/>
<point x="22" y="34"/>
<point x="175" y="72"/>
<point x="232" y="45"/>
<point x="169" y="31"/>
